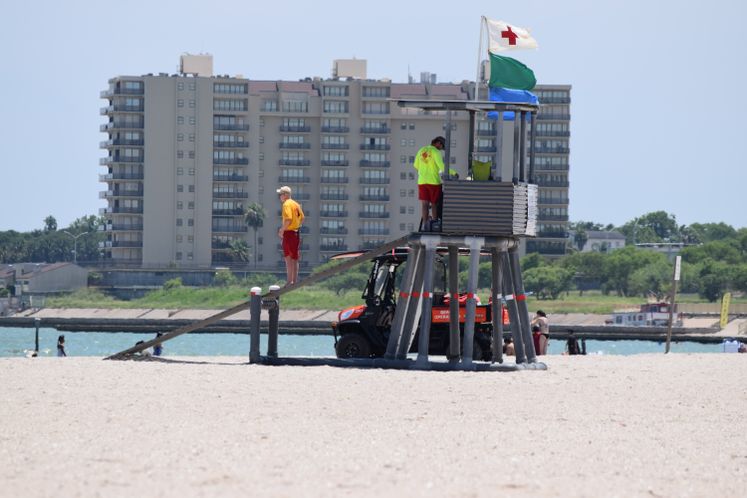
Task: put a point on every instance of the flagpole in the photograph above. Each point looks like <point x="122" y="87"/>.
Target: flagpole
<point x="479" y="54"/>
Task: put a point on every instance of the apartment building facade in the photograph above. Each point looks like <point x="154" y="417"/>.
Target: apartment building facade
<point x="187" y="154"/>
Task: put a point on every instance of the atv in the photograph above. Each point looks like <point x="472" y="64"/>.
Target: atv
<point x="363" y="331"/>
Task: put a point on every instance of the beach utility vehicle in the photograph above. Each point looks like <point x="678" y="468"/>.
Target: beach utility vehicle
<point x="363" y="331"/>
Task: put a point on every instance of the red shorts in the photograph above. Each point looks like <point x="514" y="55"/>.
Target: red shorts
<point x="291" y="243"/>
<point x="430" y="193"/>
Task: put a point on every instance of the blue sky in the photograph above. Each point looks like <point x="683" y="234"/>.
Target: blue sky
<point x="657" y="117"/>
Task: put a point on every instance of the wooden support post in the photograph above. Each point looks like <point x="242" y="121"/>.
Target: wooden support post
<point x="513" y="310"/>
<point x="400" y="315"/>
<point x="274" y="322"/>
<point x="413" y="307"/>
<point x="455" y="346"/>
<point x="672" y="302"/>
<point x="429" y="242"/>
<point x="36" y="336"/>
<point x="497" y="305"/>
<point x="255" y="309"/>
<point x="521" y="302"/>
<point x="475" y="245"/>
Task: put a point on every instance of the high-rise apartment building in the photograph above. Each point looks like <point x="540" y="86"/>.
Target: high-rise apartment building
<point x="188" y="153"/>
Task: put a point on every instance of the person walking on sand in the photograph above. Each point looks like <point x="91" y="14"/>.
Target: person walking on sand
<point x="61" y="346"/>
<point x="430" y="167"/>
<point x="289" y="233"/>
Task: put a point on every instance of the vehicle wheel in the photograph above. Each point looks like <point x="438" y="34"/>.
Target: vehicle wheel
<point x="353" y="345"/>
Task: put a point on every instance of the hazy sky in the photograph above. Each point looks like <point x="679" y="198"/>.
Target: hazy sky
<point x="657" y="114"/>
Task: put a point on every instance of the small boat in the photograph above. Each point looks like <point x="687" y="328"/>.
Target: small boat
<point x="649" y="314"/>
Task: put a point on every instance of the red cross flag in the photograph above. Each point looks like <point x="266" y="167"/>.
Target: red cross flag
<point x="504" y="36"/>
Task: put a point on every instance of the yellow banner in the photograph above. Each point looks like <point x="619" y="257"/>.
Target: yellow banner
<point x="725" y="302"/>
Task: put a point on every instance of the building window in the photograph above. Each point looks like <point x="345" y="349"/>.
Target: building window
<point x="191" y="172"/>
<point x="191" y="104"/>
<point x="403" y="193"/>
<point x="192" y="120"/>
<point x="402" y="226"/>
<point x="179" y="171"/>
<point x="191" y="154"/>
<point x="180" y="120"/>
<point x="191" y="188"/>
<point x="180" y="188"/>
<point x="180" y="137"/>
<point x="179" y="238"/>
<point x="179" y="222"/>
<point x="180" y="103"/>
<point x="178" y="255"/>
<point x="190" y="222"/>
<point x="191" y="137"/>
<point x="180" y="86"/>
<point x="191" y="205"/>
<point x="179" y="154"/>
<point x="179" y="205"/>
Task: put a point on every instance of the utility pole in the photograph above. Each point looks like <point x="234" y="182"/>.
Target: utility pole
<point x="675" y="279"/>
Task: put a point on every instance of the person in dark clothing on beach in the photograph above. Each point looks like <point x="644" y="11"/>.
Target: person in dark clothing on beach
<point x="158" y="348"/>
<point x="61" y="346"/>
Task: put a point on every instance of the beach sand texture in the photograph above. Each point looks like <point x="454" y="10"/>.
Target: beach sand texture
<point x="645" y="425"/>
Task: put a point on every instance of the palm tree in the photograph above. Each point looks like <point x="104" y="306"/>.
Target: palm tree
<point x="239" y="250"/>
<point x="254" y="216"/>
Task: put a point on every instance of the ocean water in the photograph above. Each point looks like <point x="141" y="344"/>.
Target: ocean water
<point x="20" y="341"/>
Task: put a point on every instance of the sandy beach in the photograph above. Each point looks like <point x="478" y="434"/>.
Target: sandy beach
<point x="645" y="425"/>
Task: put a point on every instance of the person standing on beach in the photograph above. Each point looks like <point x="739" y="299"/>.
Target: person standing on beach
<point x="289" y="233"/>
<point x="61" y="346"/>
<point x="540" y="320"/>
<point x="158" y="348"/>
<point x="430" y="167"/>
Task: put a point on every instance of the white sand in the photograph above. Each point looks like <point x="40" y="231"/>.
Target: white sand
<point x="647" y="425"/>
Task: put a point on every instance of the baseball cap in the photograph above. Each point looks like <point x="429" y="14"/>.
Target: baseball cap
<point x="284" y="190"/>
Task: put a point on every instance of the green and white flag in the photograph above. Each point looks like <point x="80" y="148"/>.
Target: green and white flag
<point x="506" y="72"/>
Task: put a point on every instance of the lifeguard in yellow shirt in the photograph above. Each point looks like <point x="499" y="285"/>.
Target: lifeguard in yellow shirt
<point x="290" y="233"/>
<point x="430" y="166"/>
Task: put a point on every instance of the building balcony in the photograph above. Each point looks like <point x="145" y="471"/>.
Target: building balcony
<point x="370" y="244"/>
<point x="231" y="145"/>
<point x="294" y="162"/>
<point x="333" y="179"/>
<point x="230" y="229"/>
<point x="121" y="176"/>
<point x="230" y="178"/>
<point x="119" y="227"/>
<point x="333" y="247"/>
<point x="120" y="210"/>
<point x="373" y="231"/>
<point x="231" y="160"/>
<point x="333" y="231"/>
<point x="105" y="111"/>
<point x="489" y="148"/>
<point x="373" y="181"/>
<point x="553" y="117"/>
<point x="343" y="162"/>
<point x="373" y="214"/>
<point x="551" y="183"/>
<point x="333" y="214"/>
<point x="295" y="129"/>
<point x="333" y="197"/>
<point x="121" y="126"/>
<point x="230" y="195"/>
<point x="552" y="217"/>
<point x="376" y="198"/>
<point x="548" y="200"/>
<point x="373" y="111"/>
<point x="545" y="133"/>
<point x="335" y="129"/>
<point x="374" y="164"/>
<point x="104" y="161"/>
<point x="486" y="133"/>
<point x="302" y="196"/>
<point x="335" y="146"/>
<point x="294" y="179"/>
<point x="551" y="167"/>
<point x="555" y="100"/>
<point x="302" y="264"/>
<point x="375" y="147"/>
<point x="552" y="150"/>
<point x="121" y="193"/>
<point x="121" y="141"/>
<point x="548" y="234"/>
<point x="123" y="243"/>
<point x="228" y="212"/>
<point x="288" y="145"/>
<point x="231" y="127"/>
<point x="380" y="130"/>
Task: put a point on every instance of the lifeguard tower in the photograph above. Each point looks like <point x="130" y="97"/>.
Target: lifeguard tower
<point x="486" y="213"/>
